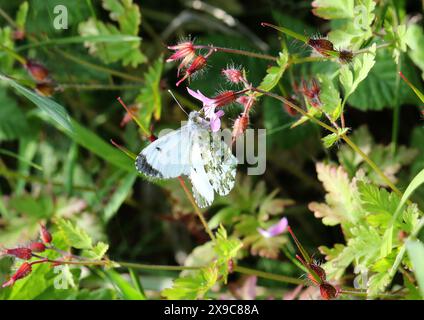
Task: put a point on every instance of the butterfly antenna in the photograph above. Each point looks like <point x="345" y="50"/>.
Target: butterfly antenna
<point x="170" y="92"/>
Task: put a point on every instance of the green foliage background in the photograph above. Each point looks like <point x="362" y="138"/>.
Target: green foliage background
<point x="58" y="166"/>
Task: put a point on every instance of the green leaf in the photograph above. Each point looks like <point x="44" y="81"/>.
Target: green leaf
<point x="122" y="190"/>
<point x="329" y="96"/>
<point x="381" y="81"/>
<point x="21" y="15"/>
<point x="388" y="236"/>
<point x="74" y="236"/>
<point x="416" y="254"/>
<point x="226" y="250"/>
<point x="350" y="79"/>
<point x="332" y="138"/>
<point x="192" y="287"/>
<point x="54" y="110"/>
<point x="128" y="292"/>
<point x="415" y="40"/>
<point x="149" y="98"/>
<point x="354" y="31"/>
<point x="342" y="205"/>
<point x="13" y="122"/>
<point x="274" y="73"/>
<point x="97" y="252"/>
<point x="333" y="9"/>
<point x="128" y="17"/>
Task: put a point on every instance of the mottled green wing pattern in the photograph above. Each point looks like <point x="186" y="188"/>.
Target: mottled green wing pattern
<point x="220" y="165"/>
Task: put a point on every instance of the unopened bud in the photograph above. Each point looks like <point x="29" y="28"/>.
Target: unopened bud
<point x="37" y="70"/>
<point x="198" y="63"/>
<point x="233" y="75"/>
<point x="240" y="126"/>
<point x="24" y="270"/>
<point x="21" y="253"/>
<point x="45" y="234"/>
<point x="225" y="98"/>
<point x="37" y="246"/>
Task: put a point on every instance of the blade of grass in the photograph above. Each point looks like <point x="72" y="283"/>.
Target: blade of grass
<point x="20" y="158"/>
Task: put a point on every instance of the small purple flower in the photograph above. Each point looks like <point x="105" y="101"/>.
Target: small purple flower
<point x="275" y="229"/>
<point x="209" y="105"/>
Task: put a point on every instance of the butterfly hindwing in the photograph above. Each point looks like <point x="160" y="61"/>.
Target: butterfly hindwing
<point x="220" y="165"/>
<point x="202" y="189"/>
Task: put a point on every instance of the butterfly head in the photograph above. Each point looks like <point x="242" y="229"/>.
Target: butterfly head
<point x="196" y="118"/>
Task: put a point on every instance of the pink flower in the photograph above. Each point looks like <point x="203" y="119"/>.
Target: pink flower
<point x="274" y="230"/>
<point x="209" y="105"/>
<point x="184" y="51"/>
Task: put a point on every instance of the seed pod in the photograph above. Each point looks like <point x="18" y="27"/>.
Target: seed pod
<point x="322" y="46"/>
<point x="327" y="291"/>
<point x="44" y="89"/>
<point x="319" y="272"/>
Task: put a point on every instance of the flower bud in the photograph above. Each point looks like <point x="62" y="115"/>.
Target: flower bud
<point x="233" y="75"/>
<point x="37" y="70"/>
<point x="45" y="234"/>
<point x="240" y="126"/>
<point x="24" y="270"/>
<point x="37" y="246"/>
<point x="327" y="291"/>
<point x="224" y="98"/>
<point x="198" y="63"/>
<point x="21" y="253"/>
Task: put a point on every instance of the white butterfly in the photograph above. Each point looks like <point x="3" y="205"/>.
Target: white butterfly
<point x="194" y="151"/>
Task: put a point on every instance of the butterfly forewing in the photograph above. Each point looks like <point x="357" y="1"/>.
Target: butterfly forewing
<point x="168" y="156"/>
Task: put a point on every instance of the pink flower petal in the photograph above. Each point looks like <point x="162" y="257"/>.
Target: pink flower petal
<point x="275" y="229"/>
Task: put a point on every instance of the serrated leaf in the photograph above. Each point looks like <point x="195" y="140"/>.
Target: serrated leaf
<point x="274" y="73"/>
<point x="333" y="9"/>
<point x="21" y="15"/>
<point x="350" y="79"/>
<point x="192" y="287"/>
<point x="128" y="16"/>
<point x="150" y="98"/>
<point x="341" y="199"/>
<point x="381" y="81"/>
<point x="97" y="252"/>
<point x="332" y="138"/>
<point x="226" y="249"/>
<point x="74" y="235"/>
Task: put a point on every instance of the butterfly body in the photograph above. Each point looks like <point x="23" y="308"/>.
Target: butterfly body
<point x="193" y="151"/>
